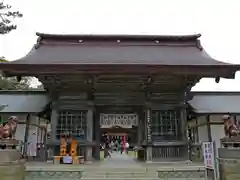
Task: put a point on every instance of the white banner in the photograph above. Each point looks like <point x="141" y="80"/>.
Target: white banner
<point x="122" y="120"/>
<point x="208" y="154"/>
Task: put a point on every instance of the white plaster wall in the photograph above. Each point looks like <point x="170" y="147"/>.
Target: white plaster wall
<point x="202" y="133"/>
<point x="217" y="133"/>
<point x="20" y="132"/>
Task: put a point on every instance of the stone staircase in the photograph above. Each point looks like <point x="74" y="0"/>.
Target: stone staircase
<point x="120" y="174"/>
<point x="100" y="173"/>
<point x="119" y="167"/>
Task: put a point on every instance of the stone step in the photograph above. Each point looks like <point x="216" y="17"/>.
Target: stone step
<point x="124" y="170"/>
<point x="120" y="178"/>
<point x="122" y="173"/>
<point x="139" y="178"/>
<point x="114" y="177"/>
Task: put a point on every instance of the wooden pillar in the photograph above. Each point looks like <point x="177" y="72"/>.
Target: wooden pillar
<point x="185" y="134"/>
<point x="149" y="133"/>
<point x="26" y="134"/>
<point x="235" y="119"/>
<point x="54" y="121"/>
<point x="89" y="132"/>
<point x="97" y="134"/>
<point x="184" y="127"/>
<point x="52" y="139"/>
<point x="139" y="130"/>
<point x="209" y="128"/>
<point x="197" y="133"/>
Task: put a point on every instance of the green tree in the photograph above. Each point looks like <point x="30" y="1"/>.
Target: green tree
<point x="12" y="83"/>
<point x="7" y="15"/>
<point x="6" y="18"/>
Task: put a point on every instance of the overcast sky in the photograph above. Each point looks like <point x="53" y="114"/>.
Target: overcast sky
<point x="216" y="20"/>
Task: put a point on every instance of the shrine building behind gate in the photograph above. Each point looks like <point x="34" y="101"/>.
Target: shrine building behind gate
<point x="120" y="84"/>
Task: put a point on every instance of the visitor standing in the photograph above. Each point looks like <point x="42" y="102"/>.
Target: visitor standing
<point x="106" y="146"/>
<point x="127" y="146"/>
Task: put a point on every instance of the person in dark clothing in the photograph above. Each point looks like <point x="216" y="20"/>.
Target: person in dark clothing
<point x="106" y="146"/>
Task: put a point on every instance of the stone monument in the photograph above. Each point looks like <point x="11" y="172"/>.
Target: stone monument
<point x="229" y="155"/>
<point x="232" y="133"/>
<point x="11" y="165"/>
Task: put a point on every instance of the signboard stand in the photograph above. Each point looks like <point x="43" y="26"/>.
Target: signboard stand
<point x="209" y="155"/>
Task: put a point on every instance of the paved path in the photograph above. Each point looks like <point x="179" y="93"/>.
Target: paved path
<point x="119" y="160"/>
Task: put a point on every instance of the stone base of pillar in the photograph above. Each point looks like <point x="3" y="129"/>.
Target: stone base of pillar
<point x="11" y="167"/>
<point x="149" y="162"/>
<point x="89" y="157"/>
<point x="149" y="154"/>
<point x="88" y="162"/>
<point x="188" y="162"/>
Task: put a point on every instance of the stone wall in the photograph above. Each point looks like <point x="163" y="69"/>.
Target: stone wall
<point x="229" y="163"/>
<point x="14" y="171"/>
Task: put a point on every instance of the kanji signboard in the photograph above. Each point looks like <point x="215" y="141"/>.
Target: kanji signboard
<point x="208" y="154"/>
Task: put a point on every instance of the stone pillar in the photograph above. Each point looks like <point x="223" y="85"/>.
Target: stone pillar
<point x="149" y="134"/>
<point x="11" y="167"/>
<point x="89" y="135"/>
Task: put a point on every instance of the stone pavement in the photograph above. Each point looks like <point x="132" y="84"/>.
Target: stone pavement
<point x="118" y="160"/>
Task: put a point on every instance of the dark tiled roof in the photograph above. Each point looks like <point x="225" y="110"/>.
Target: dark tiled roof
<point x="118" y="49"/>
<point x="22" y="103"/>
<point x="216" y="102"/>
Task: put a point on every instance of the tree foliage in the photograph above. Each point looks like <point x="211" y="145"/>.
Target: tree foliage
<point x="7" y="15"/>
<point x="6" y="18"/>
<point x="12" y="83"/>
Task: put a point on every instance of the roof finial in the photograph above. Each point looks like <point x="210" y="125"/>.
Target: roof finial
<point x="39" y="40"/>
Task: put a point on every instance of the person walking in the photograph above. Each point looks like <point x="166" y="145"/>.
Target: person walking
<point x="106" y="146"/>
<point x="127" y="147"/>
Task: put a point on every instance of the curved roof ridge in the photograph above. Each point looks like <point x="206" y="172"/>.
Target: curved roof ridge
<point x="191" y="37"/>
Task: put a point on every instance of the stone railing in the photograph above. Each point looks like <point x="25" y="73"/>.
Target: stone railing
<point x="193" y="173"/>
<point x="53" y="175"/>
<point x="229" y="163"/>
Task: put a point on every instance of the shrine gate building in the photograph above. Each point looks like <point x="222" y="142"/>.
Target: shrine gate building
<point x="122" y="84"/>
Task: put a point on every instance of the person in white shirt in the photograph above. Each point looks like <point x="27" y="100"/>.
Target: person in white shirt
<point x="127" y="147"/>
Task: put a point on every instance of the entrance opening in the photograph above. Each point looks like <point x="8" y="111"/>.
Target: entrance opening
<point x="118" y="133"/>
